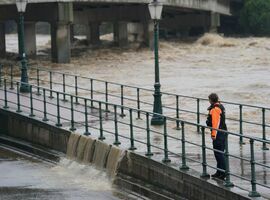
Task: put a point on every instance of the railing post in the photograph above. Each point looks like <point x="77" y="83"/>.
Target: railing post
<point x="132" y="147"/>
<point x="122" y="102"/>
<point x="72" y="128"/>
<point x="204" y="163"/>
<point x="18" y="98"/>
<point x="177" y="113"/>
<point x="148" y="153"/>
<point x="11" y="78"/>
<point x="263" y="130"/>
<point x="5" y="91"/>
<point x="76" y="90"/>
<point x="116" y="142"/>
<point x="253" y="192"/>
<point x="106" y="97"/>
<point x="86" y="118"/>
<point x="31" y="102"/>
<point x="38" y="83"/>
<point x="184" y="165"/>
<point x="64" y="87"/>
<point x="92" y="92"/>
<point x="51" y="96"/>
<point x="101" y="137"/>
<point x="58" y="111"/>
<point x="198" y="115"/>
<point x="166" y="158"/>
<point x="241" y="124"/>
<point x="138" y="104"/>
<point x="1" y="75"/>
<point x="228" y="182"/>
<point x="45" y="106"/>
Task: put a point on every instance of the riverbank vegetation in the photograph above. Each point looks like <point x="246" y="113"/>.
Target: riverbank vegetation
<point x="255" y="17"/>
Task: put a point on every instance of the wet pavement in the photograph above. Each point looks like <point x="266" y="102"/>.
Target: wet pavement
<point x="238" y="167"/>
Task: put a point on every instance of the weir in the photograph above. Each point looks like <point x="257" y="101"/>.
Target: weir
<point x="90" y="151"/>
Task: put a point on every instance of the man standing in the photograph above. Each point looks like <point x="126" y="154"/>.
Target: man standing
<point x="216" y="120"/>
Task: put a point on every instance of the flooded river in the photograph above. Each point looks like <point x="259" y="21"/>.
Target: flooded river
<point x="236" y="68"/>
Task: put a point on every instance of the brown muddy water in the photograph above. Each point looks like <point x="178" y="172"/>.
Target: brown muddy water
<point x="236" y="68"/>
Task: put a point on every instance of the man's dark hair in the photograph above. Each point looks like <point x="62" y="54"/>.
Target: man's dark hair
<point x="213" y="97"/>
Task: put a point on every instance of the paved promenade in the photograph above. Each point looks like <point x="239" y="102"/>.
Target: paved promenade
<point x="238" y="167"/>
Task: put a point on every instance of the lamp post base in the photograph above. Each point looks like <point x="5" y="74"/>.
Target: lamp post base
<point x="24" y="88"/>
<point x="157" y="120"/>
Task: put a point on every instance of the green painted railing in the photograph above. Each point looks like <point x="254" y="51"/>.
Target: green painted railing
<point x="70" y="115"/>
<point x="141" y="99"/>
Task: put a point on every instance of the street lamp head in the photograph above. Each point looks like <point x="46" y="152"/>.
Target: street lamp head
<point x="155" y="9"/>
<point x="21" y="5"/>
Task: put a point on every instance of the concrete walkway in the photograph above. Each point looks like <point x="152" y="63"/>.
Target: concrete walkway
<point x="238" y="167"/>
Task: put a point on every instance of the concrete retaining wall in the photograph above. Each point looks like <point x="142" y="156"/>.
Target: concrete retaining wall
<point x="33" y="131"/>
<point x="173" y="183"/>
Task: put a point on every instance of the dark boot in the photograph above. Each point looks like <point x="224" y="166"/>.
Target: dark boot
<point x="222" y="176"/>
<point x="216" y="175"/>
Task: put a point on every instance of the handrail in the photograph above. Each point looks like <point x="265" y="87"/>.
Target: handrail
<point x="147" y="89"/>
<point x="133" y="141"/>
<point x="138" y="103"/>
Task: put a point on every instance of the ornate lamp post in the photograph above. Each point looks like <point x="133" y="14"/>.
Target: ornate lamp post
<point x="155" y="9"/>
<point x="21" y="6"/>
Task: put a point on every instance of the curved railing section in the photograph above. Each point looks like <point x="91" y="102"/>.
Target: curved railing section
<point x="245" y="119"/>
<point x="183" y="148"/>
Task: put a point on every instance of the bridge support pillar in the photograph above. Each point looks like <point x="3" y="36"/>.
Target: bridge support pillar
<point x="93" y="36"/>
<point x="30" y="38"/>
<point x="115" y="32"/>
<point x="60" y="42"/>
<point x="214" y="22"/>
<point x="183" y="32"/>
<point x="149" y="34"/>
<point x="72" y="33"/>
<point x="120" y="31"/>
<point x="2" y="40"/>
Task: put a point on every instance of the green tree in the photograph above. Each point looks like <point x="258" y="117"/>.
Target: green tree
<point x="255" y="17"/>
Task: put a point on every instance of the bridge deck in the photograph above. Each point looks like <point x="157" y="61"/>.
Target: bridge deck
<point x="218" y="6"/>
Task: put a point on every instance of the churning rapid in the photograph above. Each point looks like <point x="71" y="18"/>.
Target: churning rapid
<point x="27" y="178"/>
<point x="236" y="68"/>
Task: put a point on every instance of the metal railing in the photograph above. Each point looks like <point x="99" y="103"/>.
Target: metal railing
<point x="174" y="105"/>
<point x="171" y="144"/>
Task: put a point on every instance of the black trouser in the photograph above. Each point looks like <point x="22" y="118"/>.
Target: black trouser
<point x="219" y="144"/>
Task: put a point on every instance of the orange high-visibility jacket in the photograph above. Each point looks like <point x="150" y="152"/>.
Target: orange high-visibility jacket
<point x="216" y="118"/>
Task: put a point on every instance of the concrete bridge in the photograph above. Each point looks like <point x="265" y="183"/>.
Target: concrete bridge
<point x="129" y="18"/>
